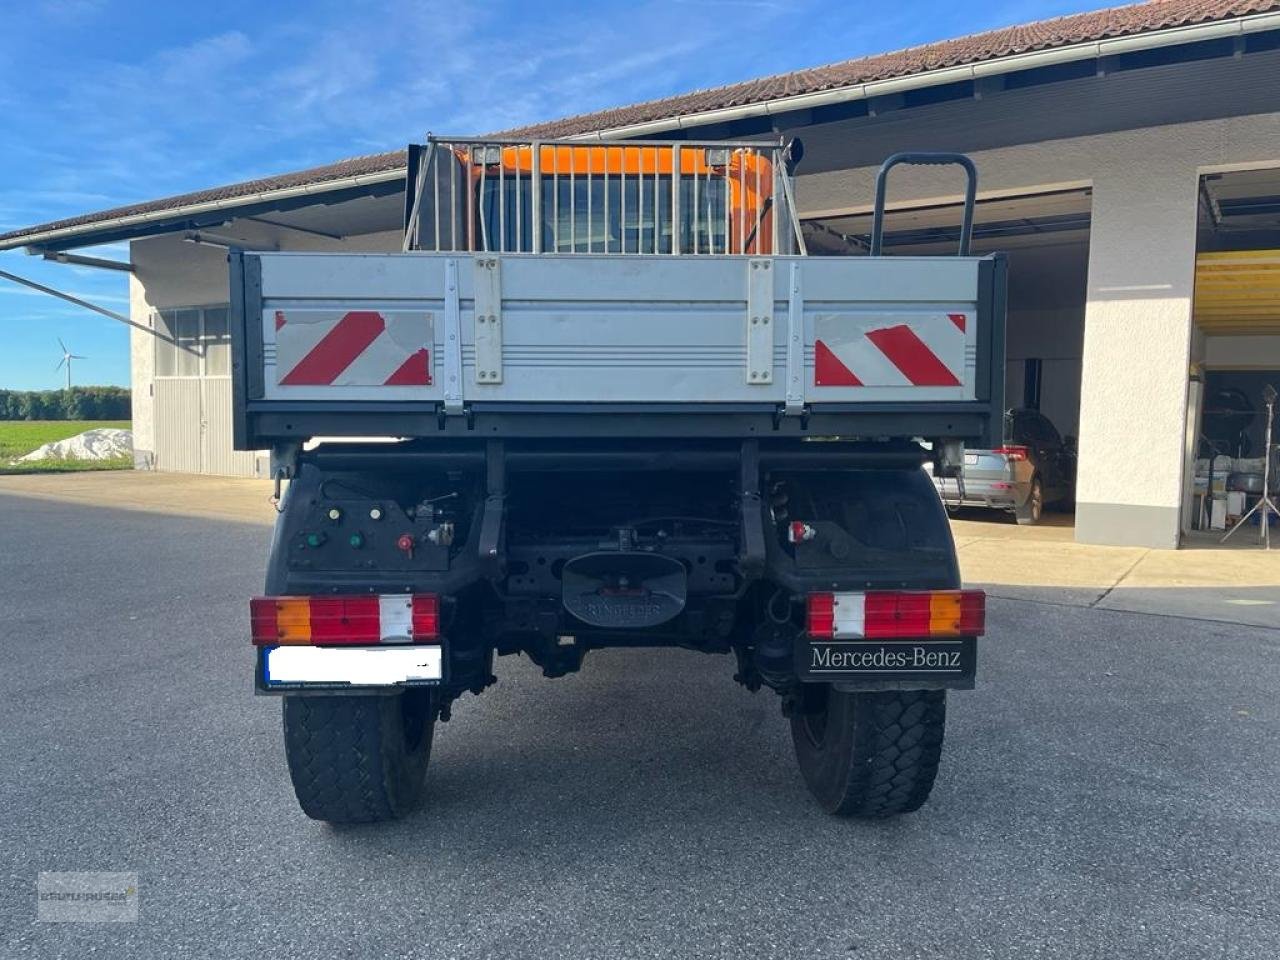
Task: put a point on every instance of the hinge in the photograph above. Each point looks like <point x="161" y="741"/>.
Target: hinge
<point x="452" y="339"/>
<point x="795" y="343"/>
<point x="488" y="320"/>
<point x="759" y="322"/>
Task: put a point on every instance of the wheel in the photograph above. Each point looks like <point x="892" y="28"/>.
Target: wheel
<point x="869" y="754"/>
<point x="355" y="759"/>
<point x="1031" y="511"/>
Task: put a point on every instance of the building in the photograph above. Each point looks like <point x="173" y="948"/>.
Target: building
<point x="1116" y="151"/>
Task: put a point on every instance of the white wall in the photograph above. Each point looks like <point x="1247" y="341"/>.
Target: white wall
<point x="1241" y="353"/>
<point x="1140" y="273"/>
<point x="171" y="272"/>
<point x="167" y="272"/>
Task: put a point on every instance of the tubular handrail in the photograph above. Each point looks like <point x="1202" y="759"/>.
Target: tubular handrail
<point x="925" y="159"/>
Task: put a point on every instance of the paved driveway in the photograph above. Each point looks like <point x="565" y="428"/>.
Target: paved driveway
<point x="1109" y="790"/>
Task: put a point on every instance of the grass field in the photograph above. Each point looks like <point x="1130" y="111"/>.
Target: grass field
<point x="18" y="437"/>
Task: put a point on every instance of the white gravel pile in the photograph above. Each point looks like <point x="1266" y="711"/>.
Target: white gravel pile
<point x="105" y="443"/>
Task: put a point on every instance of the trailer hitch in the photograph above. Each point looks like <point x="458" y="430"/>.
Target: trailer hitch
<point x="624" y="589"/>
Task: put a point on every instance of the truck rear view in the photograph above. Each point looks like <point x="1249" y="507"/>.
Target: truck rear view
<point x="624" y="410"/>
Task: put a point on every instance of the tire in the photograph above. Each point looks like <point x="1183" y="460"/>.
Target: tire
<point x="869" y="755"/>
<point x="358" y="759"/>
<point x="1030" y="512"/>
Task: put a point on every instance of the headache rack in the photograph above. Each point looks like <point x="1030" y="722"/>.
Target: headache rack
<point x="615" y="289"/>
<point x="632" y="197"/>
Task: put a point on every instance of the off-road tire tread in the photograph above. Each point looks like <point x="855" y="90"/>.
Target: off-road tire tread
<point x="345" y="758"/>
<point x="879" y="753"/>
<point x="897" y="749"/>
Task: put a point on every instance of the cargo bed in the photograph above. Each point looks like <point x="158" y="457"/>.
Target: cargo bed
<point x="422" y="344"/>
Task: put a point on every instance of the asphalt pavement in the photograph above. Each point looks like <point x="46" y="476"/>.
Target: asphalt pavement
<point x="1110" y="790"/>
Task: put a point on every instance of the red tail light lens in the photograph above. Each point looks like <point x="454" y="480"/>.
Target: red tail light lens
<point x="821" y="615"/>
<point x="353" y="620"/>
<point x="263" y="622"/>
<point x="1013" y="451"/>
<point x="426" y="617"/>
<point x="972" y="621"/>
<point x="897" y="615"/>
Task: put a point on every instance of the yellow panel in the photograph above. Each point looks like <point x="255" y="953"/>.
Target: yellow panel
<point x="1238" y="292"/>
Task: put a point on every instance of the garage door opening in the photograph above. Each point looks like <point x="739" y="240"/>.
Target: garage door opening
<point x="1235" y="358"/>
<point x="1046" y="237"/>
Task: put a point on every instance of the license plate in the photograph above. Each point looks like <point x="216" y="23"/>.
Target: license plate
<point x="953" y="661"/>
<point x="970" y="459"/>
<point x="296" y="667"/>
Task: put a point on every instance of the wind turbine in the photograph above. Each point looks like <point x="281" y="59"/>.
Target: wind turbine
<point x="67" y="357"/>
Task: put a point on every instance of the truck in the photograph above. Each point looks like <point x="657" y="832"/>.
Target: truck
<point x="603" y="398"/>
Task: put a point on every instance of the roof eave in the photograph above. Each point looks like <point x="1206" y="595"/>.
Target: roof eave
<point x="106" y="231"/>
<point x="1093" y="49"/>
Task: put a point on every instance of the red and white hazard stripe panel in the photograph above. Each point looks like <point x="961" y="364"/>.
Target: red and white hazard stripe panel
<point x="365" y="348"/>
<point x="918" y="350"/>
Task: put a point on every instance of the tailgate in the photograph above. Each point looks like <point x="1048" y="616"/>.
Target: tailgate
<point x="464" y="334"/>
<point x="986" y="465"/>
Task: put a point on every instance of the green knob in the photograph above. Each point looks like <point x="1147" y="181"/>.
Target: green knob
<point x="315" y="539"/>
<point x="357" y="540"/>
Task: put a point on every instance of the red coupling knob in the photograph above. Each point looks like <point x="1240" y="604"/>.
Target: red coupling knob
<point x="406" y="543"/>
<point x="799" y="531"/>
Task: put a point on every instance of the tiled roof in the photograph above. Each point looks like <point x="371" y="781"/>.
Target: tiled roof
<point x="370" y="165"/>
<point x="977" y="48"/>
<point x="963" y="51"/>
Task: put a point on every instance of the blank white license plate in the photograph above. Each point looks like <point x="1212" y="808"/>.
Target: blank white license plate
<point x="357" y="666"/>
<point x="970" y="459"/>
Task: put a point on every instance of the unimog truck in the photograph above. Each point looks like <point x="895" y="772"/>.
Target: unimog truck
<point x="603" y="398"/>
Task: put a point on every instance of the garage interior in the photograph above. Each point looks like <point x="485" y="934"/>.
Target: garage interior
<point x="1235" y="354"/>
<point x="1046" y="238"/>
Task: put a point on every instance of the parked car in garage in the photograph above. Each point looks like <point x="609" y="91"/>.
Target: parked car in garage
<point x="1035" y="466"/>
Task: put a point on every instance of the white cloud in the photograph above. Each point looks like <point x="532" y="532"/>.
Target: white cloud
<point x="91" y="295"/>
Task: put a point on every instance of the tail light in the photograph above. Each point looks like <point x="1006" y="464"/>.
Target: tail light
<point x="821" y="615"/>
<point x="1013" y="451"/>
<point x="344" y="621"/>
<point x="897" y="615"/>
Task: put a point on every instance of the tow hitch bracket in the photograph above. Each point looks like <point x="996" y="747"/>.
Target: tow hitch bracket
<point x="752" y="559"/>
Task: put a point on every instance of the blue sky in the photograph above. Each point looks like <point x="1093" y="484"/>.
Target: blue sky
<point x="105" y="102"/>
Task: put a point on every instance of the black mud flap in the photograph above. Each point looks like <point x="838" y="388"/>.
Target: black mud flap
<point x="624" y="589"/>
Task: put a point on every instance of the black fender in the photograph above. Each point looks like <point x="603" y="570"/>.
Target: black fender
<point x="896" y="533"/>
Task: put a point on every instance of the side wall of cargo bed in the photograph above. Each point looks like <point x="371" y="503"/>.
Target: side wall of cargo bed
<point x="423" y="344"/>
